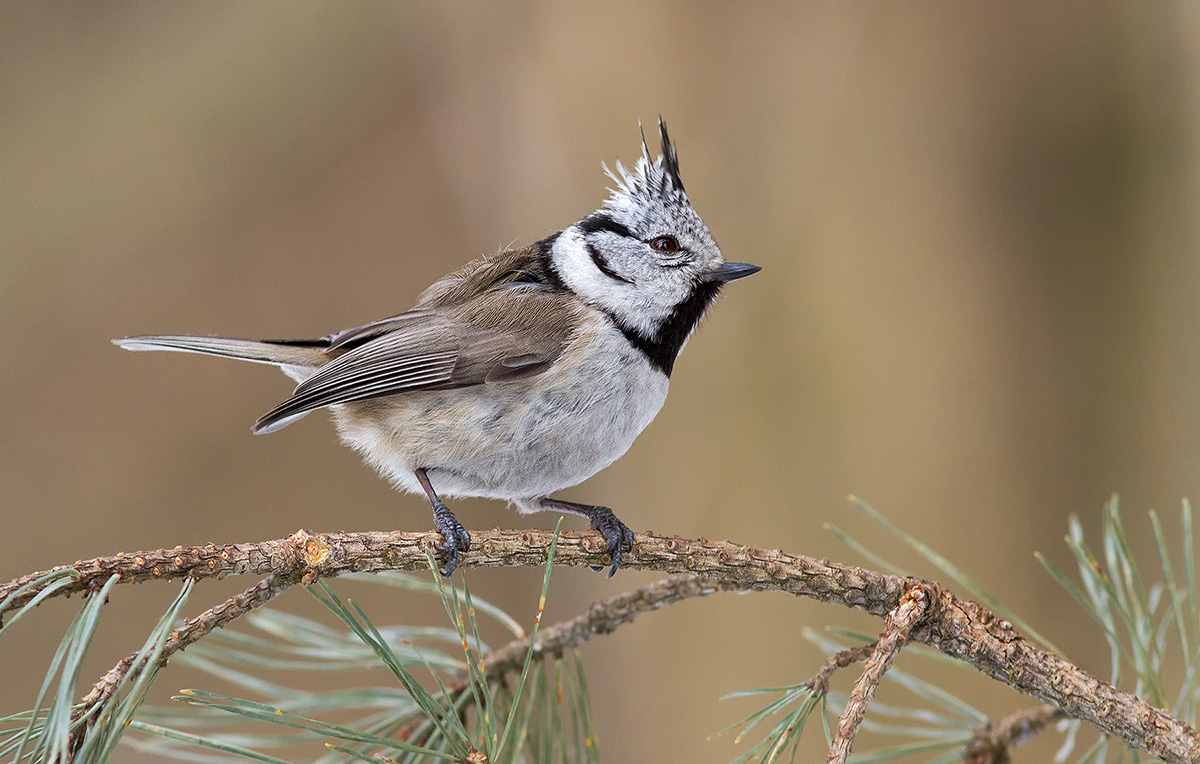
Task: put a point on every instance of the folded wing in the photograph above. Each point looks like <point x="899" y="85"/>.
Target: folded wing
<point x="497" y="337"/>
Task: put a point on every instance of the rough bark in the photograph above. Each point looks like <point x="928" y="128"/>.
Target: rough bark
<point x="959" y="628"/>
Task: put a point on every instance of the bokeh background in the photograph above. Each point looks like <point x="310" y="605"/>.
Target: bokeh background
<point x="979" y="227"/>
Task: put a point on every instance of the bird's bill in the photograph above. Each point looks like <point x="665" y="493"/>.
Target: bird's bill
<point x="734" y="271"/>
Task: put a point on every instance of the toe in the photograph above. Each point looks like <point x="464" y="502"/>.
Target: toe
<point x="617" y="537"/>
<point x="616" y="563"/>
<point x="452" y="542"/>
<point x="616" y="544"/>
<point x="451" y="563"/>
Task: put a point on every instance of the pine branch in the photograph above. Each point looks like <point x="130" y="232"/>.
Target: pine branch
<point x="896" y="627"/>
<point x="991" y="743"/>
<point x="958" y="628"/>
<point x="603" y="618"/>
<point x="819" y="682"/>
<point x="191" y="631"/>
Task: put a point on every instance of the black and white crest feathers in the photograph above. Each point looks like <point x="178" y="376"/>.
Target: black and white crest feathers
<point x="670" y="160"/>
<point x="650" y="181"/>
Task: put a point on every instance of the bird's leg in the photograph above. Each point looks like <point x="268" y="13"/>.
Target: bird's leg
<point x="454" y="537"/>
<point x="615" y="532"/>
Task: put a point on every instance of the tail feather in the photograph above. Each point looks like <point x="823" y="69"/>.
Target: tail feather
<point x="299" y="359"/>
<point x="302" y="353"/>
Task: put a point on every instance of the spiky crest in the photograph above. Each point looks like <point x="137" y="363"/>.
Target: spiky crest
<point x="651" y="181"/>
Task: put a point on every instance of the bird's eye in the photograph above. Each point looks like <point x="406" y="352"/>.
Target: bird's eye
<point x="665" y="244"/>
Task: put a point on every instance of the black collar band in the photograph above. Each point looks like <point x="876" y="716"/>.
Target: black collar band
<point x="662" y="350"/>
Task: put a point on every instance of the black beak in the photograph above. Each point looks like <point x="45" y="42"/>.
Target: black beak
<point x="733" y="271"/>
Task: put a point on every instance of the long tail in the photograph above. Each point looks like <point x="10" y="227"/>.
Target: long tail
<point x="299" y="359"/>
<point x="302" y="353"/>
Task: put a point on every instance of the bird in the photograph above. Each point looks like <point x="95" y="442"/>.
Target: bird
<point x="522" y="373"/>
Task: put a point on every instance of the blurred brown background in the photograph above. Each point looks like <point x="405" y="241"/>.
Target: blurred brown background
<point x="978" y="226"/>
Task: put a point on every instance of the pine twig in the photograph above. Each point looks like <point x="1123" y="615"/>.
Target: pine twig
<point x="603" y="618"/>
<point x="991" y="743"/>
<point x="192" y="630"/>
<point x="958" y="628"/>
<point x="896" y="627"/>
<point x="818" y="684"/>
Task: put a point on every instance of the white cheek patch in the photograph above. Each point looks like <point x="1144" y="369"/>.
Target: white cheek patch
<point x="579" y="272"/>
<point x="626" y="301"/>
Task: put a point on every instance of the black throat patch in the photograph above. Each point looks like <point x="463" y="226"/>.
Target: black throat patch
<point x="662" y="349"/>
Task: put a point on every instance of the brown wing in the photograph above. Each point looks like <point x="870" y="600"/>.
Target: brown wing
<point x="507" y="331"/>
<point x="517" y="268"/>
<point x="351" y="338"/>
<point x="510" y="268"/>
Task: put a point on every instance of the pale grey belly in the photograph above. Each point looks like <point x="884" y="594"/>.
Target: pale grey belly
<point x="514" y="440"/>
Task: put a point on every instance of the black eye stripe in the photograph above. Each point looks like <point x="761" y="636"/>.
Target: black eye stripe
<point x="602" y="222"/>
<point x="603" y="265"/>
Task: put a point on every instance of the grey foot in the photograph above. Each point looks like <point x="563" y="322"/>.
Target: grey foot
<point x="615" y="532"/>
<point x="455" y="538"/>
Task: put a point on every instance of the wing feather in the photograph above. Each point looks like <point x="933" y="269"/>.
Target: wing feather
<point x="497" y="335"/>
<point x="350" y="338"/>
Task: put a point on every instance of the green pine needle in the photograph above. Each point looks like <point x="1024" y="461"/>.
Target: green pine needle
<point x="537" y="622"/>
<point x="875" y="559"/>
<point x="275" y="715"/>
<point x="412" y="583"/>
<point x="51" y="581"/>
<point x="545" y="708"/>
<point x="205" y="742"/>
<point x="906" y="749"/>
<point x="958" y="576"/>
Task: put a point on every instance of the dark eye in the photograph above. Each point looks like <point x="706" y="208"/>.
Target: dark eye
<point x="665" y="244"/>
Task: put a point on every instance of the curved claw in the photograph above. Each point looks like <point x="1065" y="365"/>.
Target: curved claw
<point x="455" y="538"/>
<point x="618" y="536"/>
